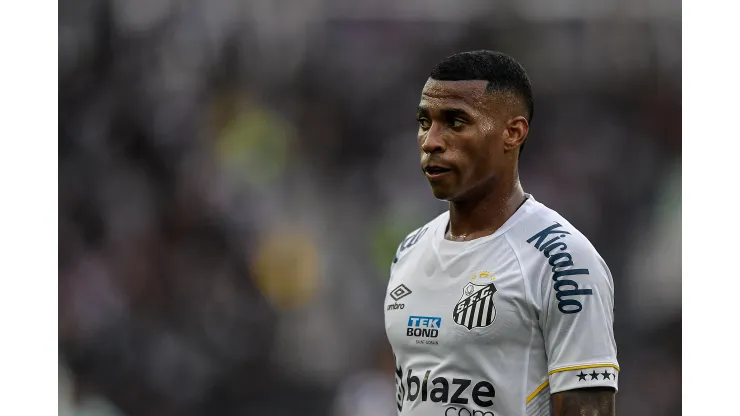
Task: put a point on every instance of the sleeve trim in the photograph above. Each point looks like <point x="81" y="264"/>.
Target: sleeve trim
<point x="582" y="367"/>
<point x="537" y="391"/>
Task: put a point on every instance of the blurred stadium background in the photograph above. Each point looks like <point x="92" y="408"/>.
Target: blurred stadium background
<point x="235" y="176"/>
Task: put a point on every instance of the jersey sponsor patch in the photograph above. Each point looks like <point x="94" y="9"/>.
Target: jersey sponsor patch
<point x="475" y="309"/>
<point x="567" y="291"/>
<point x="423" y="386"/>
<point x="424" y="327"/>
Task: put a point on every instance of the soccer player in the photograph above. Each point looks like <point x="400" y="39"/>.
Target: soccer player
<point x="499" y="306"/>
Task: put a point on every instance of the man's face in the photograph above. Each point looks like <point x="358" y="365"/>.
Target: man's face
<point x="460" y="138"/>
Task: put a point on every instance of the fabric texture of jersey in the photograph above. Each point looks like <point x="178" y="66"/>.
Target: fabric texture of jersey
<point x="494" y="326"/>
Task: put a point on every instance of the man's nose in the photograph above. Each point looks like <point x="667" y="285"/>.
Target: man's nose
<point x="433" y="141"/>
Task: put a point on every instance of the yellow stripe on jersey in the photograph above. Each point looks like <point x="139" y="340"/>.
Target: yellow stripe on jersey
<point x="582" y="367"/>
<point x="537" y="391"/>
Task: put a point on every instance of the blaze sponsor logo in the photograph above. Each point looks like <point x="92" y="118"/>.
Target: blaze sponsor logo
<point x="475" y="309"/>
<point x="456" y="392"/>
<point x="562" y="264"/>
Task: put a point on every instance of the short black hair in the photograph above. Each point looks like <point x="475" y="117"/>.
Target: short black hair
<point x="503" y="73"/>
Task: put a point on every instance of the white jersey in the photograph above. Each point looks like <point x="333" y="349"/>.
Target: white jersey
<point x="494" y="326"/>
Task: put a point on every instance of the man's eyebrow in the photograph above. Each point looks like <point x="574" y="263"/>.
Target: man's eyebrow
<point x="447" y="112"/>
<point x="454" y="112"/>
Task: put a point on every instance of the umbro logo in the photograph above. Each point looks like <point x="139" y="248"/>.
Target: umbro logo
<point x="397" y="294"/>
<point x="400" y="292"/>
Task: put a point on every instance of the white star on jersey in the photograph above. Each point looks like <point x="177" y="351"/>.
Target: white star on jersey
<point x="493" y="326"/>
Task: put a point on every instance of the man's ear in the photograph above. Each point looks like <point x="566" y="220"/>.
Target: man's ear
<point x="515" y="133"/>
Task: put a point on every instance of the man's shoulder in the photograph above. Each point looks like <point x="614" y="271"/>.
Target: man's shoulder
<point x="545" y="227"/>
<point x="554" y="253"/>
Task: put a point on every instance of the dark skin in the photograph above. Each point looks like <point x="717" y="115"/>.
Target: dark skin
<point x="469" y="141"/>
<point x="595" y="401"/>
<point x="476" y="135"/>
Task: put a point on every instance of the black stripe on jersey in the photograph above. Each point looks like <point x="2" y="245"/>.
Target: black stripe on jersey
<point x="471" y="314"/>
<point x="490" y="309"/>
<point x="482" y="304"/>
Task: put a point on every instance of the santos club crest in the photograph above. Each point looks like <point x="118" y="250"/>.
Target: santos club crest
<point x="475" y="309"/>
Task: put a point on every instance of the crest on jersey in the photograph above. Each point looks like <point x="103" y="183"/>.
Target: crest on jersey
<point x="475" y="308"/>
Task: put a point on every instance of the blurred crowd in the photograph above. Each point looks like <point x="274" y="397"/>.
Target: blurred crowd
<point x="235" y="177"/>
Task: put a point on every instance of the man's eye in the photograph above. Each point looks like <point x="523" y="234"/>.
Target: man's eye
<point x="457" y="123"/>
<point x="423" y="123"/>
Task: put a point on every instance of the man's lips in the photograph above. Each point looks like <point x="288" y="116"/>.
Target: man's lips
<point x="434" y="171"/>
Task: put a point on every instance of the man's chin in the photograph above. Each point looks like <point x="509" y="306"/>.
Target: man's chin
<point x="442" y="194"/>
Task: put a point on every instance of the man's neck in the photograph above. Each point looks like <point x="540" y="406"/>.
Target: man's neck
<point x="479" y="217"/>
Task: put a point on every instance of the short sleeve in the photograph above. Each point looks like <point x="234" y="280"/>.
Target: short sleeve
<point x="577" y="318"/>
